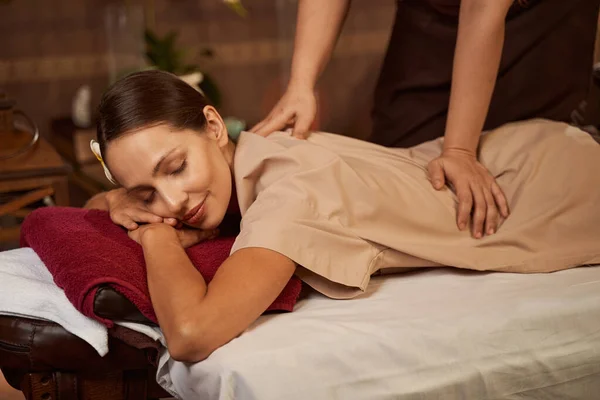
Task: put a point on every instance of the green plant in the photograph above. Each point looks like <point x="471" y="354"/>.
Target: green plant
<point x="237" y="6"/>
<point x="162" y="53"/>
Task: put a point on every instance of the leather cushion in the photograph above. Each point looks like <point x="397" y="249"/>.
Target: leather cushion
<point x="112" y="305"/>
<point x="35" y="345"/>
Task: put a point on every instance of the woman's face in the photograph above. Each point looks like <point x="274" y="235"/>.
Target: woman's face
<point x="179" y="174"/>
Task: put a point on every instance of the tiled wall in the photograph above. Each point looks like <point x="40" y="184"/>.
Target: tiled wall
<point x="48" y="48"/>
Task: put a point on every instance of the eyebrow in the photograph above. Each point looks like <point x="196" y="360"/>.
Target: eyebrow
<point x="154" y="172"/>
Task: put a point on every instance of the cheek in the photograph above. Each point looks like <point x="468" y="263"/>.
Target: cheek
<point x="221" y="174"/>
<point x="200" y="175"/>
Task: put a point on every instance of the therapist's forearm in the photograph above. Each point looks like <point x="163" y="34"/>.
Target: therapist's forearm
<point x="476" y="63"/>
<point x="318" y="27"/>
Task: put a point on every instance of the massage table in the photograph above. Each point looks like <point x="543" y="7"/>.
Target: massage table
<point x="432" y="334"/>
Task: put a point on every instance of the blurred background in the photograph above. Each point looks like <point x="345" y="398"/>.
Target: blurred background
<point x="49" y="49"/>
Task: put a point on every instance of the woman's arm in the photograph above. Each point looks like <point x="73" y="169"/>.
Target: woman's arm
<point x="476" y="62"/>
<point x="196" y="319"/>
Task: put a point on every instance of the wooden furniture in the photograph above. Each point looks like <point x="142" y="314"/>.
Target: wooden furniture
<point x="73" y="145"/>
<point x="28" y="178"/>
<point x="46" y="362"/>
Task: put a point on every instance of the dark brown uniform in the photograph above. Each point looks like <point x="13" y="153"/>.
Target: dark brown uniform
<point x="545" y="71"/>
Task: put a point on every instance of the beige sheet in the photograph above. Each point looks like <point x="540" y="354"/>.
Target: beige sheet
<point x="344" y="209"/>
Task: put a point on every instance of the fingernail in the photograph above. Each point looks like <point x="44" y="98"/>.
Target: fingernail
<point x="478" y="235"/>
<point x="491" y="231"/>
<point x="461" y="226"/>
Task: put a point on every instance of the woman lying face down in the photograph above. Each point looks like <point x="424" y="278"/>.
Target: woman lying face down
<point x="330" y="209"/>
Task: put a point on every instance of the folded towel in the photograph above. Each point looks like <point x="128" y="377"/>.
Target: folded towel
<point x="83" y="250"/>
<point x="27" y="290"/>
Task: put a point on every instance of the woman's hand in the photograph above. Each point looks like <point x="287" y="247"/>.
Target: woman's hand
<point x="297" y="108"/>
<point x="187" y="237"/>
<point x="127" y="211"/>
<point x="475" y="187"/>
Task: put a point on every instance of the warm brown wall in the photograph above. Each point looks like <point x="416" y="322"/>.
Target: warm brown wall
<point x="49" y="48"/>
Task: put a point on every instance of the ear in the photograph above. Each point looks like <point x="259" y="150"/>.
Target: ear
<point x="215" y="127"/>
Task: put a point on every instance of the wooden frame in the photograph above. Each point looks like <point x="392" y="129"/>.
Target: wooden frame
<point x="64" y="385"/>
<point x="39" y="173"/>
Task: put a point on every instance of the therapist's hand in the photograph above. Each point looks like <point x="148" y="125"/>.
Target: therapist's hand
<point x="297" y="108"/>
<point x="476" y="189"/>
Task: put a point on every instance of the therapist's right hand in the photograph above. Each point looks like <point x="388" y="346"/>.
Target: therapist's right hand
<point x="297" y="109"/>
<point x="128" y="211"/>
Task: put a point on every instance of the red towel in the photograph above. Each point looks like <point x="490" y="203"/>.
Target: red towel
<point x="83" y="249"/>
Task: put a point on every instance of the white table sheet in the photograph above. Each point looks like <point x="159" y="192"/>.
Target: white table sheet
<point x="436" y="334"/>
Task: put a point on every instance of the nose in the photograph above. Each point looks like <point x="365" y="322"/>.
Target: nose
<point x="175" y="201"/>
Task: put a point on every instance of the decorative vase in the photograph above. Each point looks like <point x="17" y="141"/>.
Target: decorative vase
<point x="125" y="38"/>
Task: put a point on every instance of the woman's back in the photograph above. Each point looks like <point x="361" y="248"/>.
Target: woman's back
<point x="344" y="209"/>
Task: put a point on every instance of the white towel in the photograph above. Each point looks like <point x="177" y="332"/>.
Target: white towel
<point x="28" y="290"/>
<point x="152" y="332"/>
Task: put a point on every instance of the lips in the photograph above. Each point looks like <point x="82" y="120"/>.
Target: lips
<point x="195" y="214"/>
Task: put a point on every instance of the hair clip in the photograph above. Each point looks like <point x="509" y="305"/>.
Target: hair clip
<point x="95" y="146"/>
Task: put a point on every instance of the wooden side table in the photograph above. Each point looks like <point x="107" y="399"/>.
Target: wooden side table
<point x="28" y="178"/>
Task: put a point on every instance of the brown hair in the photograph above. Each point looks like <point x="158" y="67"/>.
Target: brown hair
<point x="145" y="99"/>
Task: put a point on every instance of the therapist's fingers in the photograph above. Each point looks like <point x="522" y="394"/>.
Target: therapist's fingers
<point x="259" y="125"/>
<point x="500" y="199"/>
<point x="274" y="123"/>
<point x="479" y="210"/>
<point x="262" y="123"/>
<point x="465" y="204"/>
<point x="492" y="217"/>
<point x="302" y="126"/>
<point x="436" y="174"/>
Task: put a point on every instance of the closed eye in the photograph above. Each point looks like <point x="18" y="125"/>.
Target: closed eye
<point x="180" y="169"/>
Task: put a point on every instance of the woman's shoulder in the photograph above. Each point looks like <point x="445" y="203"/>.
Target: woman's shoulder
<point x="281" y="151"/>
<point x="268" y="164"/>
<point x="260" y="162"/>
<point x="252" y="149"/>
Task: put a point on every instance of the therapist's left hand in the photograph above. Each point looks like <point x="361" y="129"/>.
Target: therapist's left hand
<point x="476" y="189"/>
